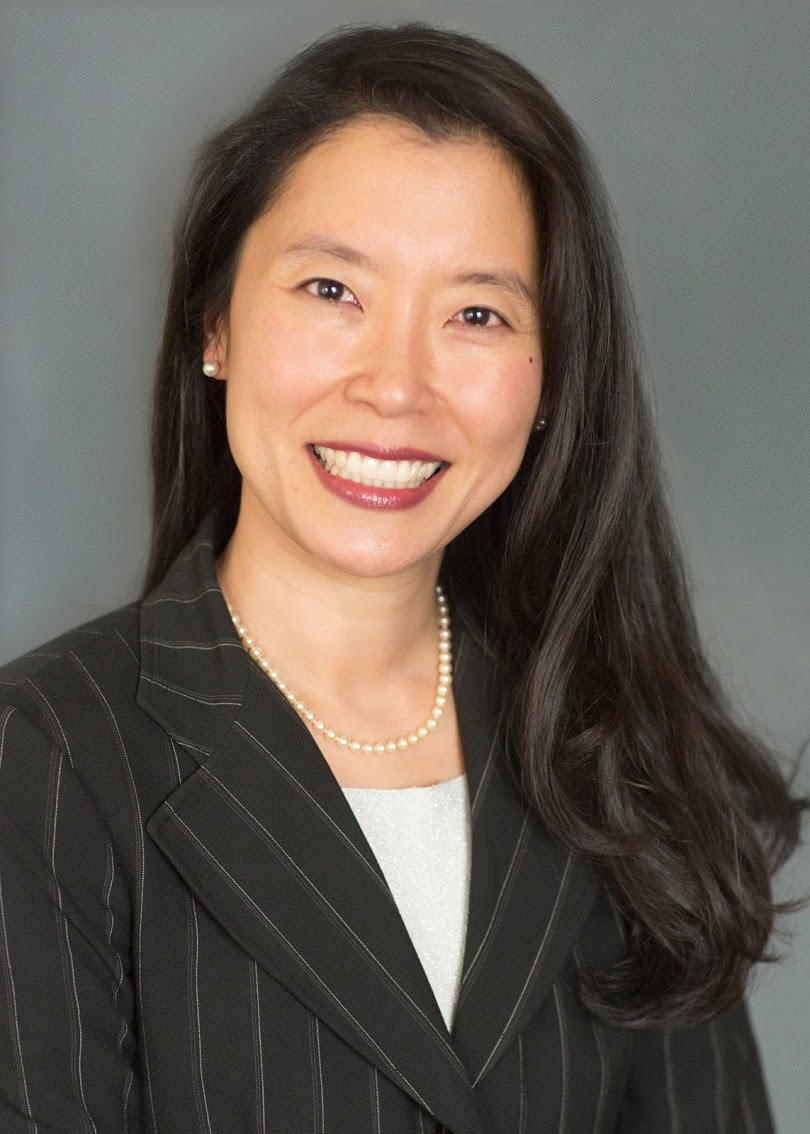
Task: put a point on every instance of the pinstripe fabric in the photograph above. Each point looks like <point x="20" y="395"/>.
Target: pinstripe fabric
<point x="195" y="935"/>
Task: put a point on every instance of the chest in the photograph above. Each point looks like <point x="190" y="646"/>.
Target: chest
<point x="274" y="987"/>
<point x="431" y="760"/>
<point x="226" y="1048"/>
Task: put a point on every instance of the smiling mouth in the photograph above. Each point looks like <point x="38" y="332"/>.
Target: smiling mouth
<point x="371" y="471"/>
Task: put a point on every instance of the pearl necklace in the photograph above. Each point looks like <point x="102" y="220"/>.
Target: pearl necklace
<point x="369" y="746"/>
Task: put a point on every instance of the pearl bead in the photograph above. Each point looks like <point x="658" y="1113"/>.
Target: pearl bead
<point x="444" y="676"/>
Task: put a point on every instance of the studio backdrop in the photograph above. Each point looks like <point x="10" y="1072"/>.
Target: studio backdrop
<point x="695" y="113"/>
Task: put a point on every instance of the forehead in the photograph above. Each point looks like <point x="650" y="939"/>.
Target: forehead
<point x="385" y="182"/>
<point x="370" y="135"/>
<point x="378" y="140"/>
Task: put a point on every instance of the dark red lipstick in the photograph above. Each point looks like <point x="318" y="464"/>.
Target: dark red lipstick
<point x="381" y="452"/>
<point x="370" y="496"/>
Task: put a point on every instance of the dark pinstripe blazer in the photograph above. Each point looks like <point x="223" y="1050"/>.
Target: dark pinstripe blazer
<point x="196" y="936"/>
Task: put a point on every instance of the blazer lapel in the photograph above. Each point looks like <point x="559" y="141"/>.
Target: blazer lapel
<point x="263" y="835"/>
<point x="528" y="895"/>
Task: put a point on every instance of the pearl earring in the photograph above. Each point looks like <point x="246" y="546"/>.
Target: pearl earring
<point x="210" y="368"/>
<point x="540" y="424"/>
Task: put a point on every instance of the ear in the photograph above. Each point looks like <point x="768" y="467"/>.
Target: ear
<point x="215" y="351"/>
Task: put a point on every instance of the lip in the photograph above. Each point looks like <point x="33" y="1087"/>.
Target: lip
<point x="381" y="452"/>
<point x="366" y="495"/>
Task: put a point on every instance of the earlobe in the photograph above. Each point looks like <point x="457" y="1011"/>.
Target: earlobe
<point x="211" y="365"/>
<point x="215" y="350"/>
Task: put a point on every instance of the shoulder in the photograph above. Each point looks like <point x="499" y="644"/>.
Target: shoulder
<point x="69" y="709"/>
<point x="81" y="760"/>
<point x="58" y="682"/>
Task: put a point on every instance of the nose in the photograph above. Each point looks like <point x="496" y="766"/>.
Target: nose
<point x="395" y="368"/>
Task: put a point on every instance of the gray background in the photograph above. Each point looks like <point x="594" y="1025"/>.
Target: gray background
<point x="696" y="114"/>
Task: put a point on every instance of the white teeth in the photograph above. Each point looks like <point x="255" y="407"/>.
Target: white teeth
<point x="368" y="470"/>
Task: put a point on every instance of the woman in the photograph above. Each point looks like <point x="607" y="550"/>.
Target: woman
<point x="267" y="864"/>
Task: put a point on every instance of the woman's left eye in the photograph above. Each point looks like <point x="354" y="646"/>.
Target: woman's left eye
<point x="479" y="317"/>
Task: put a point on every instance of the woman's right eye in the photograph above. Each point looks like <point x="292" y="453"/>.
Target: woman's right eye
<point x="331" y="290"/>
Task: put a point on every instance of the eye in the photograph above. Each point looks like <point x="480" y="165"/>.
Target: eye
<point x="479" y="317"/>
<point x="331" y="290"/>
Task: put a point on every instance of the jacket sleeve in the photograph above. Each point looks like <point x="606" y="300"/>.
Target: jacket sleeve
<point x="704" y="1080"/>
<point x="67" y="1048"/>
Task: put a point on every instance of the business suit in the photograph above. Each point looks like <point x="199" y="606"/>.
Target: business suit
<point x="196" y="936"/>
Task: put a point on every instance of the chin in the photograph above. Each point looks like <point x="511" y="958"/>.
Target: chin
<point x="364" y="562"/>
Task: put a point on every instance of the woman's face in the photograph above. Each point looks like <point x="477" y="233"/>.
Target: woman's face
<point x="384" y="305"/>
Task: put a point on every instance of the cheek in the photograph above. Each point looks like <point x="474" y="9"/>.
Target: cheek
<point x="279" y="364"/>
<point x="499" y="402"/>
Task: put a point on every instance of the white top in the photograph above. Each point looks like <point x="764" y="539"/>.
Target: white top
<point x="421" y="837"/>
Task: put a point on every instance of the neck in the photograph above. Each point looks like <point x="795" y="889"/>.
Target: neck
<point x="342" y="642"/>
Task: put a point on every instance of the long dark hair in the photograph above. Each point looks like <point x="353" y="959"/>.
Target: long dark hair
<point x="619" y="733"/>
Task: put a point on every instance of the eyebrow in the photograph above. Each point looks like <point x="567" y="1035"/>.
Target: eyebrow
<point x="504" y="278"/>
